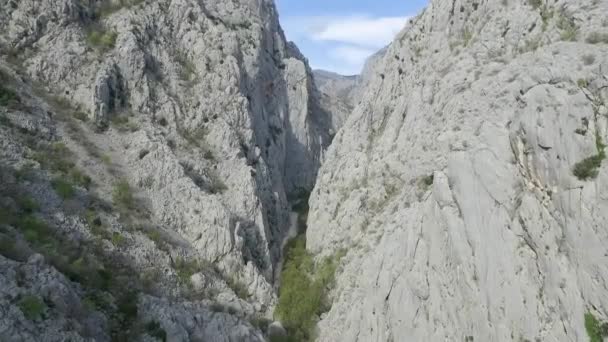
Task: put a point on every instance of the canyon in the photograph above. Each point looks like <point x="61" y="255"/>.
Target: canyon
<point x="174" y="170"/>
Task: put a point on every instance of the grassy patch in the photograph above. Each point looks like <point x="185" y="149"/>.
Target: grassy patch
<point x="32" y="307"/>
<point x="238" y="287"/>
<point x="63" y="188"/>
<point x="186" y="269"/>
<point x="118" y="239"/>
<point x="123" y="123"/>
<point x="55" y="157"/>
<point x="569" y="30"/>
<point x="36" y="232"/>
<point x="123" y="196"/>
<point x="27" y="204"/>
<point x="304" y="290"/>
<point x="102" y="39"/>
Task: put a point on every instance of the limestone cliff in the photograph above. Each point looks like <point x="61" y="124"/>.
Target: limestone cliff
<point x="148" y="146"/>
<point x="469" y="186"/>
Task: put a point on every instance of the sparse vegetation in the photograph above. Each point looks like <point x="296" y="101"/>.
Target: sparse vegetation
<point x="32" y="307"/>
<point x="123" y="123"/>
<point x="467" y="36"/>
<point x="8" y="98"/>
<point x="102" y="39"/>
<point x="597" y="38"/>
<point x="186" y="269"/>
<point x="109" y="7"/>
<point x="569" y="30"/>
<point x="188" y="69"/>
<point x="216" y="185"/>
<point x="589" y="168"/>
<point x="546" y="14"/>
<point x="63" y="188"/>
<point x="238" y="287"/>
<point x="535" y="3"/>
<point x="304" y="290"/>
<point x="118" y="239"/>
<point x="154" y="329"/>
<point x="426" y="181"/>
<point x="596" y="331"/>
<point x="123" y="196"/>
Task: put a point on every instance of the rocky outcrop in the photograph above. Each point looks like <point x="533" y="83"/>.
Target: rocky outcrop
<point x="469" y="185"/>
<point x="337" y="95"/>
<point x="193" y="121"/>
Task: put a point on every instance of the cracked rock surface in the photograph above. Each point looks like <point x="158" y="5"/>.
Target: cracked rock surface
<point x="194" y="121"/>
<point x="456" y="183"/>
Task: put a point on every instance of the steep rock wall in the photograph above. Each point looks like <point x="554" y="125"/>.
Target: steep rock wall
<point x="453" y="185"/>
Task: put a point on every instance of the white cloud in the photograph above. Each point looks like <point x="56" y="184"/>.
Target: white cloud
<point x="370" y="32"/>
<point x="351" y="55"/>
<point x="342" y="43"/>
<point x="355" y="29"/>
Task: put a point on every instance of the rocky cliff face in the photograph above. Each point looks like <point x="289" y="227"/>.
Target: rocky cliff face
<point x="149" y="146"/>
<point x="469" y="186"/>
<point x="337" y="95"/>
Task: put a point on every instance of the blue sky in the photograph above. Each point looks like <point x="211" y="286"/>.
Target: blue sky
<point x="339" y="35"/>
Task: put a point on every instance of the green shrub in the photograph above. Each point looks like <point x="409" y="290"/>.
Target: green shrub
<point x="592" y="325"/>
<point x="123" y="124"/>
<point x="238" y="287"/>
<point x="157" y="238"/>
<point x="260" y="322"/>
<point x="568" y="27"/>
<point x="597" y="37"/>
<point x="123" y="196"/>
<point x="55" y="157"/>
<point x="63" y="188"/>
<point x="35" y="231"/>
<point x="535" y="3"/>
<point x="27" y="204"/>
<point x="81" y="179"/>
<point x="186" y="269"/>
<point x="127" y="308"/>
<point x="588" y="168"/>
<point x="118" y="239"/>
<point x="32" y="307"/>
<point x="102" y="39"/>
<point x="154" y="329"/>
<point x="8" y="98"/>
<point x="303" y="292"/>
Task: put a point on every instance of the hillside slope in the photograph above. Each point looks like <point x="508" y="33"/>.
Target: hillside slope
<point x="149" y="149"/>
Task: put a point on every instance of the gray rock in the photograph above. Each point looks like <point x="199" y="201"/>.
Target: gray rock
<point x="504" y="242"/>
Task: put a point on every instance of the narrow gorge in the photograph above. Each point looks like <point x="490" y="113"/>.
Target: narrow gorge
<point x="174" y="170"/>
